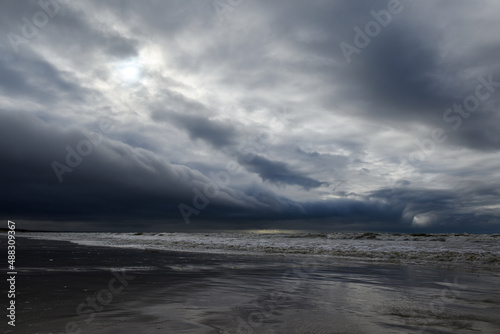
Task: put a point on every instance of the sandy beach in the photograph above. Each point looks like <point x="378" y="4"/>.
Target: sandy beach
<point x="68" y="288"/>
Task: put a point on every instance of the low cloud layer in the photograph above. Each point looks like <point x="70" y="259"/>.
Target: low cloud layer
<point x="380" y="115"/>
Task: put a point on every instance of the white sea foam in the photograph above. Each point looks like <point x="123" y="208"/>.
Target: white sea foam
<point x="475" y="249"/>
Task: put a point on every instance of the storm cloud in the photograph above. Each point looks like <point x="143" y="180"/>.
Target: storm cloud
<point x="343" y="115"/>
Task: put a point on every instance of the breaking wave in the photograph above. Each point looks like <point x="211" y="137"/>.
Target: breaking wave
<point x="479" y="250"/>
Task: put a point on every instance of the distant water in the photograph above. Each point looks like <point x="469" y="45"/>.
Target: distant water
<point x="476" y="250"/>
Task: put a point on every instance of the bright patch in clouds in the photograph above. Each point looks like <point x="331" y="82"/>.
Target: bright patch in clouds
<point x="130" y="72"/>
<point x="422" y="220"/>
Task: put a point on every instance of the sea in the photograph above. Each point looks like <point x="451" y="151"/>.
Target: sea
<point x="480" y="251"/>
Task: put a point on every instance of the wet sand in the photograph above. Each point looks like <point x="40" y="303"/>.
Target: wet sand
<point x="67" y="288"/>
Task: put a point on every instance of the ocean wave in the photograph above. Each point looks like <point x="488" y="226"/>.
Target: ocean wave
<point x="453" y="249"/>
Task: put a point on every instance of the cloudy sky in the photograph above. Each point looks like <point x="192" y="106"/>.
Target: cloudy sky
<point x="336" y="115"/>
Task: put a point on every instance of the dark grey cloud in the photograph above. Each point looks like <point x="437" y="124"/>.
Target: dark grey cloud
<point x="444" y="208"/>
<point x="277" y="172"/>
<point x="325" y="160"/>
<point x="216" y="133"/>
<point x="112" y="177"/>
<point x="45" y="83"/>
<point x="259" y="98"/>
<point x="118" y="183"/>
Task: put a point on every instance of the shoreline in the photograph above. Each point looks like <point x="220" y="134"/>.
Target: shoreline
<point x="469" y="262"/>
<point x="213" y="293"/>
